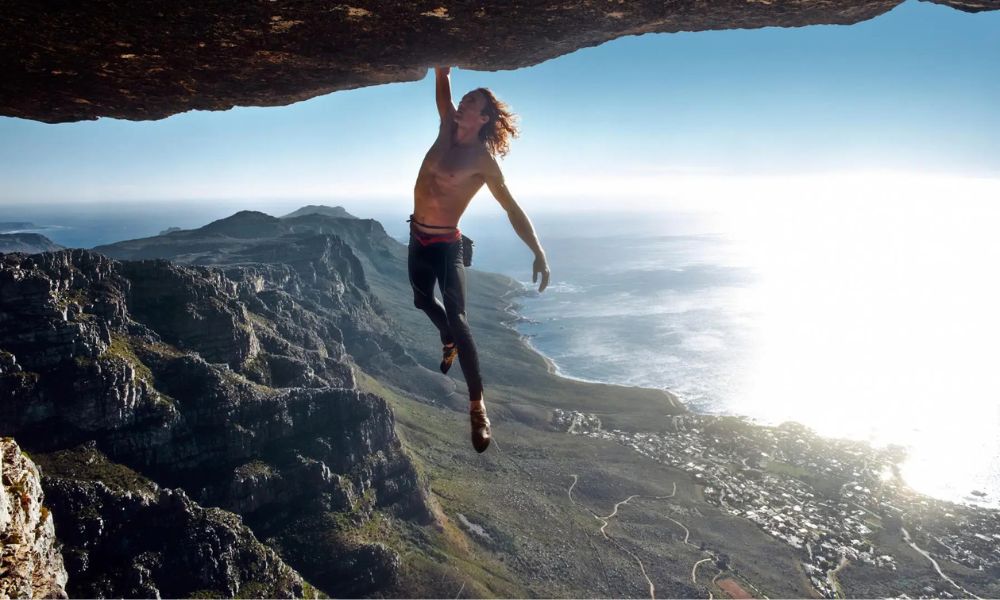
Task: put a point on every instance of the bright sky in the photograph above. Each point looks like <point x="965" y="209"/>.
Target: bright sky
<point x="646" y="120"/>
<point x="859" y="165"/>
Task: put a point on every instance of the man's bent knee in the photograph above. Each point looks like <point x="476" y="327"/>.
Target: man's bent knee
<point x="421" y="301"/>
<point x="458" y="319"/>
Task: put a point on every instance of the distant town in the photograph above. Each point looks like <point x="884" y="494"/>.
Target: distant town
<point x="824" y="497"/>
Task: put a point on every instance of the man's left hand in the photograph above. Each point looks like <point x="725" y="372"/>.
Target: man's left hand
<point x="540" y="266"/>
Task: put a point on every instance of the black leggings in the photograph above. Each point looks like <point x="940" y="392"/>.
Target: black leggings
<point x="442" y="262"/>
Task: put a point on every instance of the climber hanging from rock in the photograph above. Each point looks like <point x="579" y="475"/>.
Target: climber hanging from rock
<point x="457" y="165"/>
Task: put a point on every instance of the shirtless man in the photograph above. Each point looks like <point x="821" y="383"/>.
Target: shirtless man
<point x="455" y="168"/>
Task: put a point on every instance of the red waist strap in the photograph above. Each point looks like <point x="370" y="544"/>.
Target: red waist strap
<point x="427" y="239"/>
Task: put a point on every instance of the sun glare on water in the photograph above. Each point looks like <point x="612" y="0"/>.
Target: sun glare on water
<point x="878" y="311"/>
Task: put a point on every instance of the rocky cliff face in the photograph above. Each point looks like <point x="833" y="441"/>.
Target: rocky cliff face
<point x="231" y="385"/>
<point x="308" y="275"/>
<point x="31" y="565"/>
<point x="124" y="536"/>
<point x="142" y="60"/>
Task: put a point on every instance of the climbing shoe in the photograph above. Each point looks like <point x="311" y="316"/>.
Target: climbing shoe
<point x="448" y="356"/>
<point x="481" y="432"/>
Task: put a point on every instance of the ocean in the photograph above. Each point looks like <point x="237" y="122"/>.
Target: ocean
<point x="871" y="324"/>
<point x="855" y="331"/>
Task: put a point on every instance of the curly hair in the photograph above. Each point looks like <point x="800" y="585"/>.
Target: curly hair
<point x="501" y="127"/>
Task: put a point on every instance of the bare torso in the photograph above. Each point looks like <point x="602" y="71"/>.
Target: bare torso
<point x="449" y="177"/>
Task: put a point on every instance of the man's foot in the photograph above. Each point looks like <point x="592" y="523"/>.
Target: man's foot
<point x="449" y="352"/>
<point x="481" y="432"/>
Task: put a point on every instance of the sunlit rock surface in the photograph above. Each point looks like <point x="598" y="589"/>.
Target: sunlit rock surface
<point x="71" y="61"/>
<point x="227" y="388"/>
<point x="124" y="536"/>
<point x="31" y="565"/>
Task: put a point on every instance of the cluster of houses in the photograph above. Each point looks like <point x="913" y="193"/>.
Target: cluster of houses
<point x="823" y="497"/>
<point x="965" y="534"/>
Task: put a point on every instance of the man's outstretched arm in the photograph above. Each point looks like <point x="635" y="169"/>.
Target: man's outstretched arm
<point x="522" y="225"/>
<point x="443" y="92"/>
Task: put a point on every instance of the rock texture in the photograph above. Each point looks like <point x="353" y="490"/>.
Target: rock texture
<point x="311" y="269"/>
<point x="232" y="384"/>
<point x="139" y="60"/>
<point x="329" y="272"/>
<point x="31" y="565"/>
<point x="124" y="536"/>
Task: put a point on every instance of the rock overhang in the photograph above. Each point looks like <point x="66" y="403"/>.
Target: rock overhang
<point x="68" y="61"/>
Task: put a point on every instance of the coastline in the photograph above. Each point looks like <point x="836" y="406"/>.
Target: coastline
<point x="838" y="504"/>
<point x="510" y="308"/>
<point x="622" y="442"/>
<point x="509" y="317"/>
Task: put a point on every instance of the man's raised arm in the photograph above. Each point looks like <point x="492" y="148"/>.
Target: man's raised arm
<point x="443" y="92"/>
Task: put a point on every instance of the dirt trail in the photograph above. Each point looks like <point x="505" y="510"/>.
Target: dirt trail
<point x="687" y="533"/>
<point x="614" y="512"/>
<point x="831" y="576"/>
<point x="906" y="537"/>
<point x="605" y="520"/>
<point x="694" y="570"/>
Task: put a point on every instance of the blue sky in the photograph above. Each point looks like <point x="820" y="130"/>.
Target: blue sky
<point x="915" y="91"/>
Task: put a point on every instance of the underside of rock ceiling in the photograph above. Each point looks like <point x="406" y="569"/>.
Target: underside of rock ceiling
<point x="64" y="60"/>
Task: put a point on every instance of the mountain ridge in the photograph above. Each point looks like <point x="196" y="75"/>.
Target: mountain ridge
<point x="30" y="243"/>
<point x="284" y="375"/>
<point x="166" y="370"/>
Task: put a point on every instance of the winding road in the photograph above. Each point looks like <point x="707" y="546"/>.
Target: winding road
<point x="694" y="570"/>
<point x="604" y="523"/>
<point x="687" y="533"/>
<point x="687" y="537"/>
<point x="831" y="576"/>
<point x="906" y="537"/>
